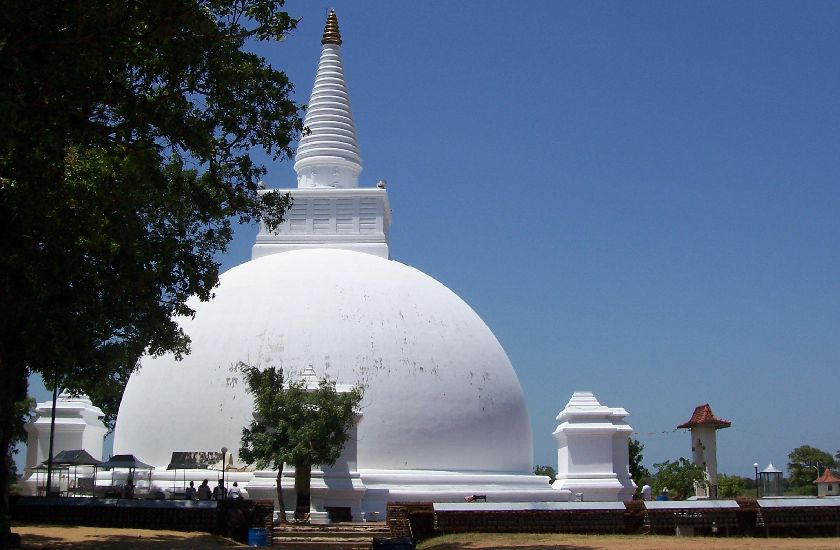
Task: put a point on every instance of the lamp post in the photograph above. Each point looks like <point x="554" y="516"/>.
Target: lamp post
<point x="755" y="465"/>
<point x="224" y="490"/>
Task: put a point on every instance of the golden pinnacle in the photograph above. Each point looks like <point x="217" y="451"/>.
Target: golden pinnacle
<point x="331" y="32"/>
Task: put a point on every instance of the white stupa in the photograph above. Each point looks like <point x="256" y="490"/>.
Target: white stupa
<point x="443" y="415"/>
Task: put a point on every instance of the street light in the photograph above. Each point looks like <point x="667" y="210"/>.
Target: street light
<point x="224" y="490"/>
<point x="755" y="465"/>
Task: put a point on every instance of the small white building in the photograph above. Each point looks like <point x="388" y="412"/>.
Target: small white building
<point x="593" y="454"/>
<point x="78" y="425"/>
<point x="828" y="485"/>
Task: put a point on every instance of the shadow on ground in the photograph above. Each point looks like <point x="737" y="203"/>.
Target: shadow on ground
<point x="114" y="542"/>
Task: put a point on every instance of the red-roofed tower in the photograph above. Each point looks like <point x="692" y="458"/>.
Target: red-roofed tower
<point x="828" y="484"/>
<point x="704" y="426"/>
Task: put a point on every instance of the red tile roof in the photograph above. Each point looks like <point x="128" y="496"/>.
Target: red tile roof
<point x="827" y="477"/>
<point x="703" y="415"/>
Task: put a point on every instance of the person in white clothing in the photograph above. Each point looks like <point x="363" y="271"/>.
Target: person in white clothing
<point x="235" y="491"/>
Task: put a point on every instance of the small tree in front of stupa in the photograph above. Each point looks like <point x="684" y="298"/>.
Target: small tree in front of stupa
<point x="679" y="477"/>
<point x="298" y="425"/>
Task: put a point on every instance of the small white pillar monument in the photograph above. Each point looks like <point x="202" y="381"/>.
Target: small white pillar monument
<point x="704" y="425"/>
<point x="593" y="454"/>
<point x="78" y="425"/>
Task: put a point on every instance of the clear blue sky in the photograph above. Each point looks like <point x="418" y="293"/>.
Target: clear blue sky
<point x="640" y="199"/>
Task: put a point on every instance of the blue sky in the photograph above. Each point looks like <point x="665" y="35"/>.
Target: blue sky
<point x="640" y="199"/>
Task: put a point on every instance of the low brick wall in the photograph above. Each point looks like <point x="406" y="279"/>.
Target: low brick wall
<point x="703" y="521"/>
<point x="230" y="518"/>
<point x="177" y="515"/>
<point x="531" y="521"/>
<point x="399" y="519"/>
<point x="420" y="520"/>
<point x="799" y="522"/>
<point x="235" y="517"/>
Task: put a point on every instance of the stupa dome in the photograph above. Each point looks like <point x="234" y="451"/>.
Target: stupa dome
<point x="440" y="392"/>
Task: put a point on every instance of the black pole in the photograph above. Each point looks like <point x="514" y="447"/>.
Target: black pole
<point x="756" y="481"/>
<point x="224" y="491"/>
<point x="52" y="437"/>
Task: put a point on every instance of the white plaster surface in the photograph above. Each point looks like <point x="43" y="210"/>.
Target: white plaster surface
<point x="592" y="450"/>
<point x="328" y="152"/>
<point x="357" y="219"/>
<point x="78" y="425"/>
<point x="517" y="506"/>
<point x="692" y="504"/>
<point x="443" y="415"/>
<point x="440" y="393"/>
<point x="784" y="502"/>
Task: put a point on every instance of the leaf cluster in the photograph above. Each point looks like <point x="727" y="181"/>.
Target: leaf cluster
<point x="805" y="464"/>
<point x="638" y="472"/>
<point x="730" y="486"/>
<point x="295" y="424"/>
<point x="125" y="138"/>
<point x="679" y="477"/>
<point x="541" y="470"/>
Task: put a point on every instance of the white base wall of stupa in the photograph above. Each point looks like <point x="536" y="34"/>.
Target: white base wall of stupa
<point x="596" y="487"/>
<point x="366" y="492"/>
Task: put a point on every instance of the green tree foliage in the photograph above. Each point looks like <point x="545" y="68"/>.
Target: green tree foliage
<point x="24" y="411"/>
<point x="805" y="464"/>
<point x="296" y="425"/>
<point x="541" y="470"/>
<point x="679" y="477"/>
<point x="638" y="472"/>
<point x="730" y="486"/>
<point x="125" y="131"/>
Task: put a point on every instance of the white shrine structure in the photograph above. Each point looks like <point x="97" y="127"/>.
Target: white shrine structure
<point x="78" y="425"/>
<point x="593" y="450"/>
<point x="704" y="425"/>
<point x="443" y="415"/>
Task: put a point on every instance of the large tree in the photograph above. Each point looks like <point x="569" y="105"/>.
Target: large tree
<point x="805" y="464"/>
<point x="298" y="425"/>
<point x="125" y="131"/>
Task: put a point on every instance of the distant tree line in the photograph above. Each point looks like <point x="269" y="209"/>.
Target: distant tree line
<point x="805" y="464"/>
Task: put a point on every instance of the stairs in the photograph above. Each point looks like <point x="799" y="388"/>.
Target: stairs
<point x="335" y="536"/>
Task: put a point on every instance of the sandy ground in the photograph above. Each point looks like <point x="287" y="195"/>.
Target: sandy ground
<point x="40" y="537"/>
<point x="619" y="542"/>
<point x="99" y="538"/>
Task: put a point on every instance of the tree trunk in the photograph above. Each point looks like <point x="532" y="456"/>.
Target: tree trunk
<point x="12" y="389"/>
<point x="303" y="478"/>
<point x="280" y="494"/>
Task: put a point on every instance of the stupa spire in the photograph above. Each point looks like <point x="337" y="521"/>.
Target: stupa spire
<point x="328" y="153"/>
